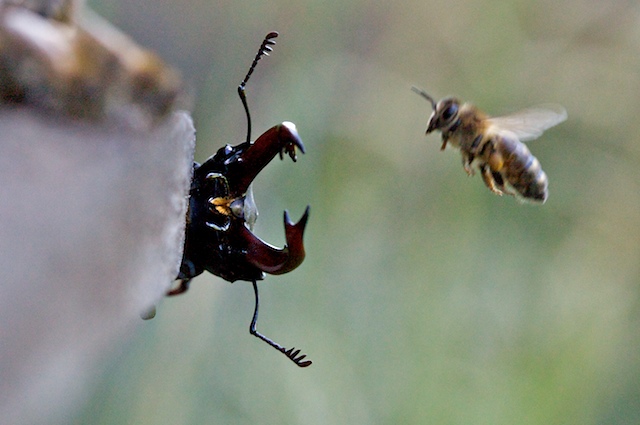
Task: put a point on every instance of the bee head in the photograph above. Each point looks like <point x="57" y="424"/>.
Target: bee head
<point x="444" y="115"/>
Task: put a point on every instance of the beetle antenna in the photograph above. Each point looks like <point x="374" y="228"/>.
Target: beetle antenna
<point x="264" y="50"/>
<point x="425" y="95"/>
<point x="291" y="353"/>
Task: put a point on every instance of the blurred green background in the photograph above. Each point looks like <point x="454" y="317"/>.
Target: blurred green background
<point x="424" y="298"/>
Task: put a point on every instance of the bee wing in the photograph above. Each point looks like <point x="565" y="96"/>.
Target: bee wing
<point x="529" y="124"/>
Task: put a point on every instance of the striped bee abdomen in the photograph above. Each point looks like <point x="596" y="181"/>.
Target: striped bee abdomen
<point x="522" y="171"/>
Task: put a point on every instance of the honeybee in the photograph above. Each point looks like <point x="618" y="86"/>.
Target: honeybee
<point x="494" y="145"/>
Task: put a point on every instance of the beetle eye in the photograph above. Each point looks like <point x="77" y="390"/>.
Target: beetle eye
<point x="448" y="113"/>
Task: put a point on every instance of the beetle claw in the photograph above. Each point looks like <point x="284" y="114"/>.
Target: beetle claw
<point x="271" y="259"/>
<point x="278" y="140"/>
<point x="293" y="142"/>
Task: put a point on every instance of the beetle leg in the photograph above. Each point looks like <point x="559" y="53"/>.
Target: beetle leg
<point x="182" y="287"/>
<point x="271" y="259"/>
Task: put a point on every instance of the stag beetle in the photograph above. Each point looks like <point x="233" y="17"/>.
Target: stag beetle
<point x="222" y="211"/>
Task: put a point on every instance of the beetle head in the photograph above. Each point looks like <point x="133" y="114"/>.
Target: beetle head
<point x="222" y="212"/>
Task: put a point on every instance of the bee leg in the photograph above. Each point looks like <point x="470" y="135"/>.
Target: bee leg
<point x="489" y="180"/>
<point x="444" y="142"/>
<point x="495" y="163"/>
<point x="499" y="182"/>
<point x="467" y="159"/>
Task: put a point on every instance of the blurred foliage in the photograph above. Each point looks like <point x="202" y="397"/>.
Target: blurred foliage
<point x="424" y="298"/>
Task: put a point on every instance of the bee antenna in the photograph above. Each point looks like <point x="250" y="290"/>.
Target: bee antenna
<point x="425" y="95"/>
<point x="264" y="50"/>
<point x="291" y="353"/>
